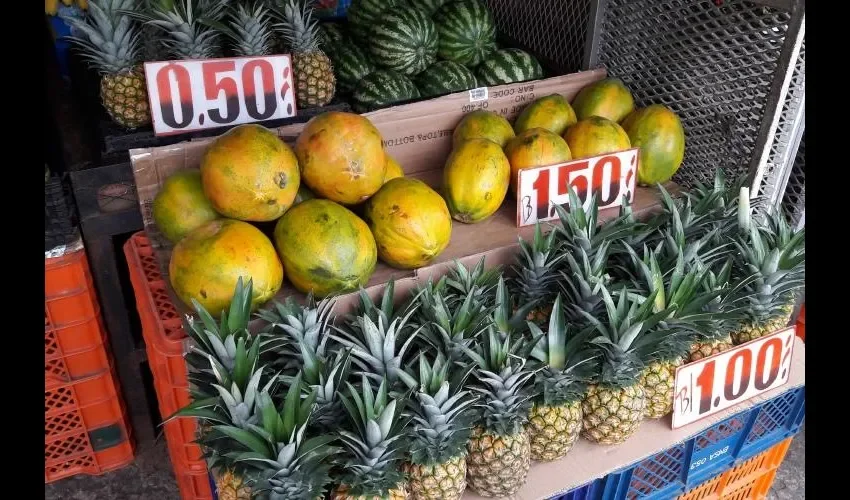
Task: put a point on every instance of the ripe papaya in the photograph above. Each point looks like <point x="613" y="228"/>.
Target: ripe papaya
<point x="659" y="134"/>
<point x="595" y="136"/>
<point x="481" y="124"/>
<point x="608" y="98"/>
<point x="475" y="180"/>
<point x="181" y="206"/>
<point x="552" y="113"/>
<point x="536" y="147"/>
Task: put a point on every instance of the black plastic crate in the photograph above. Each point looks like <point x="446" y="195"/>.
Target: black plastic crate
<point x="60" y="220"/>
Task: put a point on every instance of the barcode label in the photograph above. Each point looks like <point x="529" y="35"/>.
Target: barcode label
<point x="479" y="94"/>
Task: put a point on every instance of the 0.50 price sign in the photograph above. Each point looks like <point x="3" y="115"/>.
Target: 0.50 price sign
<point x="194" y="95"/>
<point x="718" y="382"/>
<point x="611" y="175"/>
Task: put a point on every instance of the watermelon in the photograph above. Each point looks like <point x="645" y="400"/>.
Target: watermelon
<point x="445" y="77"/>
<point x="508" y="66"/>
<point x="332" y="37"/>
<point x="404" y="41"/>
<point x="383" y="88"/>
<point x="362" y="16"/>
<point x="467" y="32"/>
<point x="427" y="6"/>
<point x="351" y="64"/>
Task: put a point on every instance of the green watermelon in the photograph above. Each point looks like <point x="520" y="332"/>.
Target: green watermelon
<point x="427" y="6"/>
<point x="332" y="37"/>
<point x="383" y="88"/>
<point x="467" y="32"/>
<point x="508" y="66"/>
<point x="362" y="16"/>
<point x="351" y="64"/>
<point x="404" y="41"/>
<point x="445" y="77"/>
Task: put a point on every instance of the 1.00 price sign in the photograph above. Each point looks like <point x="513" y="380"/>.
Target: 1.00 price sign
<point x="715" y="383"/>
<point x="611" y="175"/>
<point x="194" y="95"/>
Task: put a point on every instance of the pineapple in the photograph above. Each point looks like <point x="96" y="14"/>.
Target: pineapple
<point x="480" y="282"/>
<point x="111" y="42"/>
<point x="250" y="30"/>
<point x="441" y="417"/>
<point x="373" y="445"/>
<point x="185" y="26"/>
<point x="449" y="329"/>
<point x="499" y="449"/>
<point x="775" y="256"/>
<point x="726" y="313"/>
<point x="615" y="402"/>
<point x="536" y="271"/>
<point x="312" y="70"/>
<point x="556" y="419"/>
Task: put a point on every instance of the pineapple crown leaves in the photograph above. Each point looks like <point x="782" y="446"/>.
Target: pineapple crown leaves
<point x="297" y="26"/>
<point x="188" y="25"/>
<point x="439" y="413"/>
<point x="249" y="29"/>
<point x="629" y="337"/>
<point x="507" y="320"/>
<point x="111" y="41"/>
<point x="580" y="227"/>
<point x="461" y="282"/>
<point x="375" y="348"/>
<point x="537" y="263"/>
<point x="374" y="450"/>
<point x="502" y="382"/>
<point x="449" y="329"/>
<point x="582" y="281"/>
<point x="566" y="361"/>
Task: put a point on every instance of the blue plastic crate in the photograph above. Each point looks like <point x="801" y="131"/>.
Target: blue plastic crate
<point x="590" y="491"/>
<point x="331" y="9"/>
<point x="213" y="487"/>
<point x="709" y="453"/>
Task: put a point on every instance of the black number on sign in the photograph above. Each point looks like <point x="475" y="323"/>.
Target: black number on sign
<point x="213" y="87"/>
<point x="252" y="94"/>
<point x="772" y="369"/>
<point x="746" y="368"/>
<point x="184" y="95"/>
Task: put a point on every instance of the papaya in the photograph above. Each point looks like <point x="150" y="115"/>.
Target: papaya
<point x="552" y="113"/>
<point x="608" y="98"/>
<point x="596" y="136"/>
<point x="181" y="206"/>
<point x="536" y="147"/>
<point x="410" y="221"/>
<point x="250" y="174"/>
<point x="342" y="157"/>
<point x="659" y="134"/>
<point x="325" y="248"/>
<point x="483" y="124"/>
<point x="394" y="170"/>
<point x="206" y="264"/>
<point x="475" y="180"/>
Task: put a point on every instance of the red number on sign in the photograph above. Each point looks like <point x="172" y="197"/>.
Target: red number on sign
<point x="541" y="185"/>
<point x="613" y="179"/>
<point x="214" y="87"/>
<point x="746" y="369"/>
<point x="705" y="381"/>
<point x="184" y="98"/>
<point x="579" y="183"/>
<point x="252" y="96"/>
<point x="773" y="369"/>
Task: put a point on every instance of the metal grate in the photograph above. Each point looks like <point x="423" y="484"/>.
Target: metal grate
<point x="794" y="201"/>
<point x="714" y="63"/>
<point x="554" y="30"/>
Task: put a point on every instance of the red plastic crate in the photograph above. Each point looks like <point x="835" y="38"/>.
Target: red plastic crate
<point x="85" y="428"/>
<point x="801" y="323"/>
<point x="162" y="329"/>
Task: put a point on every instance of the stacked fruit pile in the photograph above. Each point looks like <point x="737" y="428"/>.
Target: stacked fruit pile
<point x="474" y="376"/>
<point x="249" y="175"/>
<point x="392" y="51"/>
<point x="113" y="39"/>
<point x="488" y="152"/>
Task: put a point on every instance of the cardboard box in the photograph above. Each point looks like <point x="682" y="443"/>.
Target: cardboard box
<point x="419" y="136"/>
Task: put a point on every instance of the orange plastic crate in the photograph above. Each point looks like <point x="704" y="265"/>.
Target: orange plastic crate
<point x="162" y="329"/>
<point x="750" y="480"/>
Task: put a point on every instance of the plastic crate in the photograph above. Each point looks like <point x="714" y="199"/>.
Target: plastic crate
<point x="60" y="225"/>
<point x="589" y="491"/>
<point x="73" y="331"/>
<point x="162" y="329"/>
<point x="85" y="428"/>
<point x="749" y="480"/>
<point x="801" y="323"/>
<point x="711" y="452"/>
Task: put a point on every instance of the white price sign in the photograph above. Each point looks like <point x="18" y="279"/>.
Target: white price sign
<point x="718" y="382"/>
<point x="612" y="175"/>
<point x="193" y="95"/>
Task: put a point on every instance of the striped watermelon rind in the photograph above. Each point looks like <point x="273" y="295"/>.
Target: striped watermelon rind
<point x="445" y="77"/>
<point x="508" y="66"/>
<point x="427" y="6"/>
<point x="381" y="89"/>
<point x="332" y="37"/>
<point x="351" y="64"/>
<point x="404" y="41"/>
<point x="467" y="32"/>
<point x="363" y="14"/>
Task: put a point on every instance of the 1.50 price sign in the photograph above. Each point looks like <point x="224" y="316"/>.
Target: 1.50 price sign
<point x="194" y="95"/>
<point x="715" y="383"/>
<point x="611" y="175"/>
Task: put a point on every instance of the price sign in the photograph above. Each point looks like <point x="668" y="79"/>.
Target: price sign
<point x="611" y="175"/>
<point x="715" y="383"/>
<point x="194" y="95"/>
